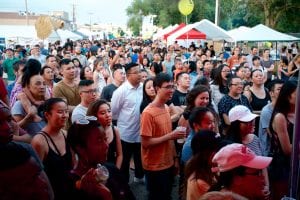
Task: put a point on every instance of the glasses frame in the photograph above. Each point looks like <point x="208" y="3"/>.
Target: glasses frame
<point x="169" y="87"/>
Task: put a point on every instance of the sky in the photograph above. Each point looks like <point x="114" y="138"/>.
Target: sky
<point x="99" y="11"/>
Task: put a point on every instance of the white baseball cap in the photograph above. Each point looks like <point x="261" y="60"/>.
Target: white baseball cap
<point x="241" y="113"/>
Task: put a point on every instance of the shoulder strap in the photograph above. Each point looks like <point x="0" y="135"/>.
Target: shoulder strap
<point x="56" y="149"/>
<point x="114" y="130"/>
<point x="46" y="138"/>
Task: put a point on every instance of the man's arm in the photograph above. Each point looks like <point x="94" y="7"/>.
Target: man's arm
<point x="148" y="141"/>
<point x="147" y="130"/>
<point x="116" y="103"/>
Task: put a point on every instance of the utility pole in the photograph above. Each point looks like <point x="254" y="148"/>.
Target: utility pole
<point x="74" y="17"/>
<point x="90" y="13"/>
<point x="27" y="21"/>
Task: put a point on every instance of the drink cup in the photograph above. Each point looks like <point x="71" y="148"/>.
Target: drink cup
<point x="181" y="129"/>
<point x="102" y="174"/>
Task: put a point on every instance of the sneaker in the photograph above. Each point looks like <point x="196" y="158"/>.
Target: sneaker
<point x="139" y="180"/>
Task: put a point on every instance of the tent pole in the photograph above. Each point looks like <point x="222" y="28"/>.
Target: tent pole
<point x="294" y="177"/>
<point x="276" y="51"/>
<point x="187" y="38"/>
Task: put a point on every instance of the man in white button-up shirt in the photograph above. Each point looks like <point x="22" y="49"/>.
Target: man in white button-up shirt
<point x="125" y="107"/>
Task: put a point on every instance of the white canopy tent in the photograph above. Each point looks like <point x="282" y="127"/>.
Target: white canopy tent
<point x="238" y="33"/>
<point x="212" y="31"/>
<point x="18" y="34"/>
<point x="65" y="34"/>
<point x="260" y="33"/>
<point x="92" y="35"/>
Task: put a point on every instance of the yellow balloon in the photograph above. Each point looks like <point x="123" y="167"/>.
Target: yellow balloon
<point x="268" y="44"/>
<point x="186" y="7"/>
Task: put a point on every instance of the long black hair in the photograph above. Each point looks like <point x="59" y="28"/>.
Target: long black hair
<point x="233" y="132"/>
<point x="282" y="103"/>
<point x="218" y="80"/>
<point x="146" y="99"/>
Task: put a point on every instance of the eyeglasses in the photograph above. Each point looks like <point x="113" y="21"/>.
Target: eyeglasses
<point x="169" y="87"/>
<point x="237" y="84"/>
<point x="226" y="71"/>
<point x="86" y="120"/>
<point x="90" y="91"/>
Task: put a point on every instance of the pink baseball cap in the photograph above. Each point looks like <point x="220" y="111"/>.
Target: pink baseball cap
<point x="235" y="155"/>
<point x="241" y="113"/>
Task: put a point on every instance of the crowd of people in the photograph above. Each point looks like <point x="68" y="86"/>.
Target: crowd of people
<point x="221" y="122"/>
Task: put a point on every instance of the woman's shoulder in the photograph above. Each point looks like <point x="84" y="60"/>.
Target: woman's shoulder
<point x="278" y="117"/>
<point x="196" y="187"/>
<point x="39" y="139"/>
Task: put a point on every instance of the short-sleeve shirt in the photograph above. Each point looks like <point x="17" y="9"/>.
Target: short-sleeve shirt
<point x="8" y="68"/>
<point x="71" y="95"/>
<point x="79" y="112"/>
<point x="227" y="102"/>
<point x="187" y="152"/>
<point x="264" y="122"/>
<point x="108" y="91"/>
<point x="267" y="64"/>
<point x="156" y="122"/>
<point x="178" y="98"/>
<point x="32" y="128"/>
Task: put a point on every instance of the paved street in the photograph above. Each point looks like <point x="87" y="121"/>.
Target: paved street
<point x="140" y="192"/>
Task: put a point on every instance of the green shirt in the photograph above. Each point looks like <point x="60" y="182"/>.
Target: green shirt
<point x="8" y="68"/>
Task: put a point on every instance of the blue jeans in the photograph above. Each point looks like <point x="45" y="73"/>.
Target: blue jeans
<point x="159" y="184"/>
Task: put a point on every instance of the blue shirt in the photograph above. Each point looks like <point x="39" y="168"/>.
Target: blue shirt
<point x="33" y="127"/>
<point x="187" y="152"/>
<point x="193" y="76"/>
<point x="264" y="122"/>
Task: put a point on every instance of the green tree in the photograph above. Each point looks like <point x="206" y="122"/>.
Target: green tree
<point x="282" y="15"/>
<point x="274" y="10"/>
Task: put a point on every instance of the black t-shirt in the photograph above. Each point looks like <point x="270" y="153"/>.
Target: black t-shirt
<point x="178" y="98"/>
<point x="108" y="91"/>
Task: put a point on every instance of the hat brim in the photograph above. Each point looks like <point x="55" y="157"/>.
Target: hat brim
<point x="258" y="162"/>
<point x="248" y="118"/>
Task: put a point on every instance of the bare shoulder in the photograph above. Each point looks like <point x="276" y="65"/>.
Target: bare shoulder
<point x="39" y="141"/>
<point x="279" y="117"/>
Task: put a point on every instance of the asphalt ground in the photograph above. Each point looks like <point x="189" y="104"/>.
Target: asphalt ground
<point x="140" y="191"/>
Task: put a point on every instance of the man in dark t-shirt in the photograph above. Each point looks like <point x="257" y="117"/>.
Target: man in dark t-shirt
<point x="183" y="84"/>
<point x="118" y="75"/>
